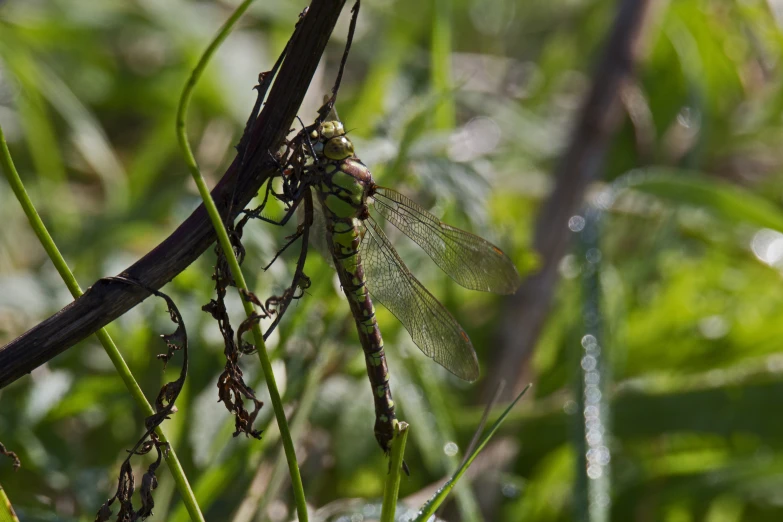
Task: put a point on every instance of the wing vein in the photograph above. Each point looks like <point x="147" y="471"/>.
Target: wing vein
<point x="430" y="325"/>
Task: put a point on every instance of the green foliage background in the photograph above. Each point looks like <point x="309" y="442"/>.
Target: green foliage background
<point x="690" y="262"/>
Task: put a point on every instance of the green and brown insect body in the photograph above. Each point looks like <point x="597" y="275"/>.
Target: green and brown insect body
<point x="363" y="255"/>
<point x="343" y="190"/>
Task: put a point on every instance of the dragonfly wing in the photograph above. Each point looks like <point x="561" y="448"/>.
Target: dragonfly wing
<point x="431" y="326"/>
<point x="471" y="261"/>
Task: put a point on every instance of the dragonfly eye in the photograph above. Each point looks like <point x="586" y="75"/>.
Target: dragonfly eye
<point x="338" y="148"/>
<point x="331" y="129"/>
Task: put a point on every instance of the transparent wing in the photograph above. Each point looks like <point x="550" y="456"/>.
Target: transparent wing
<point x="431" y="326"/>
<point x="470" y="260"/>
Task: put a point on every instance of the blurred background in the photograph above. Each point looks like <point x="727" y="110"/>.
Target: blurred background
<point x="657" y="370"/>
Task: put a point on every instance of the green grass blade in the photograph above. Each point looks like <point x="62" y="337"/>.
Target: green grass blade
<point x="307" y="401"/>
<point x="103" y="336"/>
<point x="236" y="271"/>
<point x="40" y="136"/>
<point x="591" y="428"/>
<point x="34" y="117"/>
<point x="440" y="56"/>
<point x="434" y="503"/>
<point x="726" y="200"/>
<point x="87" y="134"/>
<point x="210" y="486"/>
<point x="392" y="489"/>
<point x="444" y="430"/>
<point x="7" y="513"/>
<point x="148" y="164"/>
<point x="368" y="105"/>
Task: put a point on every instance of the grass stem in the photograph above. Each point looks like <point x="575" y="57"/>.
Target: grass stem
<point x="103" y="336"/>
<point x="392" y="490"/>
<point x="236" y="271"/>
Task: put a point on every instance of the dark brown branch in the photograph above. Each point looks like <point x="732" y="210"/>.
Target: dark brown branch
<point x="107" y="300"/>
<point x="581" y="164"/>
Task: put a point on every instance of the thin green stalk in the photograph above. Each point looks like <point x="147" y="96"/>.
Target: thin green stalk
<point x="306" y="403"/>
<point x="466" y="500"/>
<point x="236" y="272"/>
<point x="440" y="56"/>
<point x="429" y="508"/>
<point x="103" y="336"/>
<point x="392" y="490"/>
<point x="7" y="513"/>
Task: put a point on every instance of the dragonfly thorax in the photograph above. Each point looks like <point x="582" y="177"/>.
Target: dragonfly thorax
<point x="344" y="182"/>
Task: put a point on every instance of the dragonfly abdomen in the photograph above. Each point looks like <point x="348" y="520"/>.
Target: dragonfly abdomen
<point x="341" y="209"/>
<point x="375" y="361"/>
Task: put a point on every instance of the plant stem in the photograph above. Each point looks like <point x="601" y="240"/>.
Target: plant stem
<point x="440" y="60"/>
<point x="429" y="507"/>
<point x="392" y="489"/>
<point x="103" y="336"/>
<point x="236" y="271"/>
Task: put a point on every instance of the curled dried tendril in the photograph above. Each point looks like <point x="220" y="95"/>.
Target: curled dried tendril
<point x="164" y="408"/>
<point x="11" y="455"/>
<point x="232" y="389"/>
<point x="126" y="485"/>
<point x="246" y="325"/>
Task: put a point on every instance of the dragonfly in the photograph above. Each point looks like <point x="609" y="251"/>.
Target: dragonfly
<point x="321" y="159"/>
<point x="370" y="269"/>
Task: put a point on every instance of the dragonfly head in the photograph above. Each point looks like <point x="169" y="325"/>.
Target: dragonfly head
<point x="330" y="129"/>
<point x="334" y="144"/>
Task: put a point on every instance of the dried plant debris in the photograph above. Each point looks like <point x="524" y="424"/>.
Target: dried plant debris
<point x="127" y="483"/>
<point x="232" y="390"/>
<point x="11" y="455"/>
<point x="248" y="324"/>
<point x="291" y="171"/>
<point x="164" y="407"/>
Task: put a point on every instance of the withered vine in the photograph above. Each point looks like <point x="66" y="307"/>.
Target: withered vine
<point x="233" y="391"/>
<point x="231" y="385"/>
<point x="11" y="455"/>
<point x="164" y="408"/>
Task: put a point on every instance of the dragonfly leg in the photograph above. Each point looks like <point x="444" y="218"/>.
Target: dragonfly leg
<point x="300" y="280"/>
<point x="291" y="241"/>
<point x="256" y="213"/>
<point x="405" y="468"/>
<point x="260" y="208"/>
<point x="308" y="141"/>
